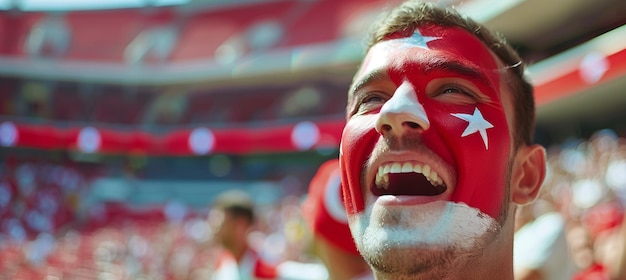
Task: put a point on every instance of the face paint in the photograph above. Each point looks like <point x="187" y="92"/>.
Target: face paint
<point x="469" y="135"/>
<point x="440" y="223"/>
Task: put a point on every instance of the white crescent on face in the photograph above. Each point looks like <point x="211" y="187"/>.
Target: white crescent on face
<point x="332" y="199"/>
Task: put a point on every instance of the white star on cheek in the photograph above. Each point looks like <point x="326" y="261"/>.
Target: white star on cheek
<point x="476" y="123"/>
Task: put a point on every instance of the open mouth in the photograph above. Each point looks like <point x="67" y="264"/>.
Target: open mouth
<point x="407" y="178"/>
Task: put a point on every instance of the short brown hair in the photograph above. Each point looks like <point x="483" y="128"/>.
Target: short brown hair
<point x="411" y="14"/>
<point x="236" y="202"/>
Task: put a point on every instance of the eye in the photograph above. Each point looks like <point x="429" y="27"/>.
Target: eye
<point x="452" y="90"/>
<point x="455" y="93"/>
<point x="456" y="88"/>
<point x="369" y="102"/>
<point x="371" y="98"/>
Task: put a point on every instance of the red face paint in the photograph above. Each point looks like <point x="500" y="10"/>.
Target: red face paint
<point x="470" y="135"/>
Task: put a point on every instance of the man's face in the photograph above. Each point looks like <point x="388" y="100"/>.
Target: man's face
<point x="223" y="226"/>
<point x="426" y="149"/>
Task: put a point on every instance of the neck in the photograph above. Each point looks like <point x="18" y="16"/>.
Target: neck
<point x="496" y="261"/>
<point x="238" y="250"/>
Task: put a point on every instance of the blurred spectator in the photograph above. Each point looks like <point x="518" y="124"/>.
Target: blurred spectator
<point x="582" y="200"/>
<point x="540" y="247"/>
<point x="331" y="241"/>
<point x="600" y="237"/>
<point x="233" y="217"/>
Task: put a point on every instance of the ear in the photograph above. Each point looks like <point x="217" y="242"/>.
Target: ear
<point x="529" y="170"/>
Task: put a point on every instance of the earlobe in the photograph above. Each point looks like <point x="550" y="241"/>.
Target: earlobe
<point x="529" y="171"/>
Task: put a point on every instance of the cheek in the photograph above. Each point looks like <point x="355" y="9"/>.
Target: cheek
<point x="357" y="142"/>
<point x="481" y="171"/>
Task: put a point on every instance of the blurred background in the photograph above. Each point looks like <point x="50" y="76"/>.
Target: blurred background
<point x="121" y="120"/>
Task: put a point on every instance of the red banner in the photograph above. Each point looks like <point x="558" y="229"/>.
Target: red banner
<point x="183" y="142"/>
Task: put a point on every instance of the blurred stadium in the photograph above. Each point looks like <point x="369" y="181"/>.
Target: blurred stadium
<point x="120" y="123"/>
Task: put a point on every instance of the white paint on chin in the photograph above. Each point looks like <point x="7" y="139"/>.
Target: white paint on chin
<point x="435" y="224"/>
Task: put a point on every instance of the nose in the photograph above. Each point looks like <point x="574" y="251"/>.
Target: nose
<point x="402" y="113"/>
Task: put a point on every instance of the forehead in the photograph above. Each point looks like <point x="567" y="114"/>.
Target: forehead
<point x="431" y="47"/>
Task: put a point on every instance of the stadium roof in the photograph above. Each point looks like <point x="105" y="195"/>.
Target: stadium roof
<point x="72" y="5"/>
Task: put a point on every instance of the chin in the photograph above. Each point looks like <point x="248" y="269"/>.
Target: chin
<point x="418" y="237"/>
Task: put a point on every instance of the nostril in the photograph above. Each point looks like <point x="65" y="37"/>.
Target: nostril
<point x="386" y="127"/>
<point x="413" y="125"/>
<point x="398" y="123"/>
<point x="406" y="126"/>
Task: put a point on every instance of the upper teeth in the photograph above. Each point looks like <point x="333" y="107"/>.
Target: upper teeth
<point x="382" y="176"/>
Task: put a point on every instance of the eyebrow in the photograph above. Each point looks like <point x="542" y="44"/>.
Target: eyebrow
<point x="378" y="74"/>
<point x="467" y="71"/>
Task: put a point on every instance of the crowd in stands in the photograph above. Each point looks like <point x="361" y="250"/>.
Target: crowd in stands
<point x="64" y="103"/>
<point x="584" y="192"/>
<point x="48" y="228"/>
<point x="575" y="229"/>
